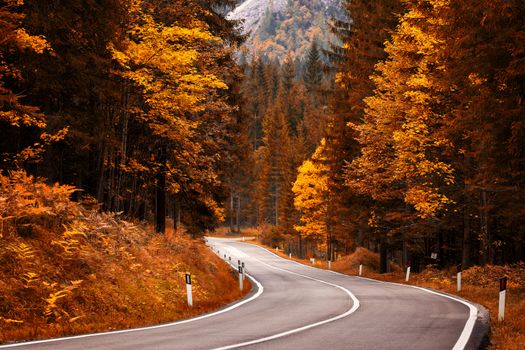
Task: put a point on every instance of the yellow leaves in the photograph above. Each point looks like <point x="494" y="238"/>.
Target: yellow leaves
<point x="9" y="320"/>
<point x="218" y="212"/>
<point x="29" y="278"/>
<point x="167" y="64"/>
<point x="18" y="119"/>
<point x="311" y="190"/>
<point x="53" y="311"/>
<point x="426" y="201"/>
<point x="402" y="154"/>
<point x="23" y="251"/>
<point x="70" y="241"/>
<point x="476" y="80"/>
<point x="133" y="167"/>
<point x="37" y="44"/>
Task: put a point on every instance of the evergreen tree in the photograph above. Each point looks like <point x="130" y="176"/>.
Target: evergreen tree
<point x="313" y="70"/>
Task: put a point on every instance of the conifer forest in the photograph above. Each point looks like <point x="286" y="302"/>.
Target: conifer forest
<point x="398" y="125"/>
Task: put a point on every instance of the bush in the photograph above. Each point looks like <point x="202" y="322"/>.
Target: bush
<point x="271" y="236"/>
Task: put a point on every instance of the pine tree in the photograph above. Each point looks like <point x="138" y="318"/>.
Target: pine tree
<point x="362" y="48"/>
<point x="313" y="70"/>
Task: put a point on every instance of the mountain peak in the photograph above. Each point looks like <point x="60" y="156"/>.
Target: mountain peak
<point x="278" y="28"/>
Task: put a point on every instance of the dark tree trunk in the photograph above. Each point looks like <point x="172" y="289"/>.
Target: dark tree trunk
<point x="383" y="256"/>
<point x="160" y="193"/>
<point x="465" y="253"/>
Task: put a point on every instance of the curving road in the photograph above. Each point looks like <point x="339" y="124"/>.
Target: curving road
<point x="294" y="306"/>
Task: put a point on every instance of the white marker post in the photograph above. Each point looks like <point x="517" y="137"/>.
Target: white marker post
<point x="502" y="295"/>
<point x="277" y="249"/>
<point x="290" y="255"/>
<point x="361" y="270"/>
<point x="243" y="270"/>
<point x="408" y="274"/>
<point x="241" y="284"/>
<point x="329" y="265"/>
<point x="188" y="290"/>
<point x="458" y="280"/>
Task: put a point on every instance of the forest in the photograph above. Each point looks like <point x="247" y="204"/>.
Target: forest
<point x="405" y="135"/>
<point x="407" y="139"/>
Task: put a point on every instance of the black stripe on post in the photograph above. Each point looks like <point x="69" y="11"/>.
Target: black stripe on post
<point x="188" y="278"/>
<point x="502" y="284"/>
<point x="459" y="268"/>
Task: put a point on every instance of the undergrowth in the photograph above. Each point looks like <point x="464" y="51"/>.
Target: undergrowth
<point x="66" y="269"/>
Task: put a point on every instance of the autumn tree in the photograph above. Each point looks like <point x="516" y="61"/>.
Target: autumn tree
<point x="311" y="200"/>
<point x="362" y="46"/>
<point x="17" y="117"/>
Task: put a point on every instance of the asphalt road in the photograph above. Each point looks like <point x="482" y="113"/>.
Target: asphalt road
<point x="294" y="306"/>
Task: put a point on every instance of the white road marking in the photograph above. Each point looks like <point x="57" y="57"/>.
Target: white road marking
<point x="354" y="307"/>
<point x="471" y="320"/>
<point x="469" y="324"/>
<point x="260" y="290"/>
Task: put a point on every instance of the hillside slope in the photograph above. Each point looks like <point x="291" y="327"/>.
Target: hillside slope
<point x="278" y="28"/>
<point x="66" y="269"/>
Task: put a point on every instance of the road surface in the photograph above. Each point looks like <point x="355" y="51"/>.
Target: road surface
<point x="294" y="306"/>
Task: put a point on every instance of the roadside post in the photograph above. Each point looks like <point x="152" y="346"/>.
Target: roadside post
<point x="241" y="284"/>
<point x="360" y="269"/>
<point x="329" y="264"/>
<point x="290" y="255"/>
<point x="243" y="270"/>
<point x="188" y="290"/>
<point x="408" y="272"/>
<point x="459" y="269"/>
<point x="502" y="295"/>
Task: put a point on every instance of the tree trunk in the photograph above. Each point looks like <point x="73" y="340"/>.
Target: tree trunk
<point x="465" y="253"/>
<point x="160" y="193"/>
<point x="231" y="210"/>
<point x="237" y="214"/>
<point x="383" y="256"/>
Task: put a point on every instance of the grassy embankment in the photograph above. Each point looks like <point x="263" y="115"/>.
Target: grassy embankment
<point x="480" y="285"/>
<point x="66" y="269"/>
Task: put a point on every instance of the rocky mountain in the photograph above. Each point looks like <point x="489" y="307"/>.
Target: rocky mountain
<point x="278" y="28"/>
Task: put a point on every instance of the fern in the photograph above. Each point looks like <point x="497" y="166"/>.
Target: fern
<point x="53" y="311"/>
<point x="29" y="278"/>
<point x="23" y="251"/>
<point x="70" y="241"/>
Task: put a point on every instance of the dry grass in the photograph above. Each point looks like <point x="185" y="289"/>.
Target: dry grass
<point x="67" y="270"/>
<point x="479" y="284"/>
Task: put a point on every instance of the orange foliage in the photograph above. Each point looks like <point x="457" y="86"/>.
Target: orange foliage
<point x="65" y="269"/>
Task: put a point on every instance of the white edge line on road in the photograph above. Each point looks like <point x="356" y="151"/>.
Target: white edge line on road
<point x="473" y="311"/>
<point x="260" y="290"/>
<point x="471" y="320"/>
<point x="354" y="307"/>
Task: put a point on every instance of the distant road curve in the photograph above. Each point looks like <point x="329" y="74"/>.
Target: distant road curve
<point x="294" y="306"/>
